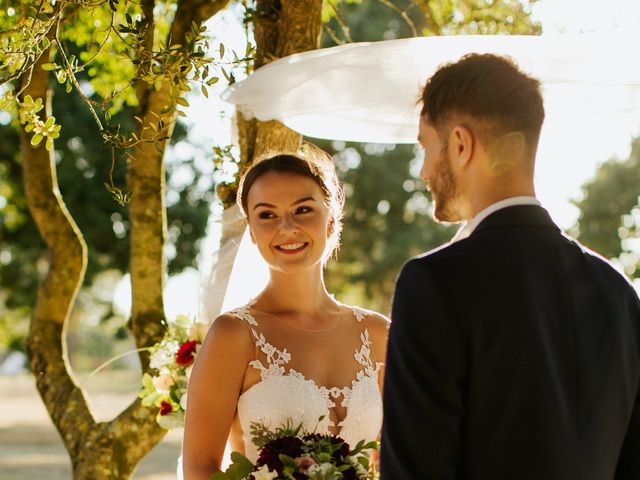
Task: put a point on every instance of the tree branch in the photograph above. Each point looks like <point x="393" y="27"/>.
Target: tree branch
<point x="46" y="342"/>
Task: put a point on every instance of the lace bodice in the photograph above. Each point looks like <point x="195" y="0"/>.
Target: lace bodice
<point x="284" y="394"/>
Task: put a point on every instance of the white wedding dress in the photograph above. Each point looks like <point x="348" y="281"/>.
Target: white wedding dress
<point x="285" y="395"/>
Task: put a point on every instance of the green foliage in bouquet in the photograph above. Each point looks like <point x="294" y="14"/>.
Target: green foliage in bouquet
<point x="289" y="453"/>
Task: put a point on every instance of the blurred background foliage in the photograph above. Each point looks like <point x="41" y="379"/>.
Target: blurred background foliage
<point x="609" y="220"/>
<point x="387" y="214"/>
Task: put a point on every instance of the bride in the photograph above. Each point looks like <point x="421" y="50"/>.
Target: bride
<point x="294" y="353"/>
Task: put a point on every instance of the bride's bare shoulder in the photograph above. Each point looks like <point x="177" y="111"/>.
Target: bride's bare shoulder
<point x="228" y="332"/>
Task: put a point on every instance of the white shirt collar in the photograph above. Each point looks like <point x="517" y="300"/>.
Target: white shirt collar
<point x="468" y="227"/>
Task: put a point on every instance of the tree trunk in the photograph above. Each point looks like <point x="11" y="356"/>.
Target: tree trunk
<point x="283" y="27"/>
<point x="99" y="450"/>
<point x="64" y="400"/>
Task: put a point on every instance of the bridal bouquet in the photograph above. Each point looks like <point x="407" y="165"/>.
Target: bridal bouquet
<point x="288" y="453"/>
<point x="172" y="358"/>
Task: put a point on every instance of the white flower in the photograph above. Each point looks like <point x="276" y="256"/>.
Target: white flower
<point x="164" y="355"/>
<point x="321" y="470"/>
<point x="163" y="383"/>
<point x="265" y="474"/>
<point x="198" y="331"/>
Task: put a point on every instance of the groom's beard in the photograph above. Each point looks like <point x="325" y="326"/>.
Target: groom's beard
<point x="443" y="187"/>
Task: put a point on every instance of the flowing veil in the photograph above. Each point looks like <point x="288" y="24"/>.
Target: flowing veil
<point x="369" y="91"/>
<point x="238" y="273"/>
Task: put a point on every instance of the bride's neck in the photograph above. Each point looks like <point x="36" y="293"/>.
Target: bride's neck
<point x="302" y="293"/>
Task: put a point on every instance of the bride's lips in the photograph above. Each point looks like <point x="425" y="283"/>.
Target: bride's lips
<point x="292" y="247"/>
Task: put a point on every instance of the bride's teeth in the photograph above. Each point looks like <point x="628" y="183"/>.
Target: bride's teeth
<point x="292" y="246"/>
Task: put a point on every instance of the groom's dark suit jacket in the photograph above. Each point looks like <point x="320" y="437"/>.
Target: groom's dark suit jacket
<point x="513" y="354"/>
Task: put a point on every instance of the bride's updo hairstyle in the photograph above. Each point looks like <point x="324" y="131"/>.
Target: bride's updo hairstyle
<point x="309" y="162"/>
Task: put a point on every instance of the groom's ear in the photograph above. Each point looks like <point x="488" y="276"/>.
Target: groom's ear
<point x="461" y="145"/>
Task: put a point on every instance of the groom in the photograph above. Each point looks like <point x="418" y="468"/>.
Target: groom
<point x="514" y="352"/>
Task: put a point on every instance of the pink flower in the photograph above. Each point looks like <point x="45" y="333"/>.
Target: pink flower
<point x="305" y="463"/>
<point x="186" y="352"/>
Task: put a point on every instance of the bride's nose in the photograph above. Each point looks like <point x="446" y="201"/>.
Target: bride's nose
<point x="288" y="223"/>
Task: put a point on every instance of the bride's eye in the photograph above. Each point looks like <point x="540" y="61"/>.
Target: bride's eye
<point x="304" y="209"/>
<point x="266" y="214"/>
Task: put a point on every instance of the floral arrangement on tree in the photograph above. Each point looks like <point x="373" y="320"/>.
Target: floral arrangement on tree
<point x="291" y="454"/>
<point x="172" y="358"/>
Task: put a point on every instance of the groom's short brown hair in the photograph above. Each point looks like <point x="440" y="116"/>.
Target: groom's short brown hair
<point x="491" y="90"/>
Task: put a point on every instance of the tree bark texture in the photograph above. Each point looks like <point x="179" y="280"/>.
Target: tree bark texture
<point x="64" y="401"/>
<point x="283" y="27"/>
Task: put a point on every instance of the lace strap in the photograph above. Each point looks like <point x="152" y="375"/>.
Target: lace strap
<point x="275" y="358"/>
<point x="359" y="313"/>
<point x="363" y="354"/>
<point x="244" y="313"/>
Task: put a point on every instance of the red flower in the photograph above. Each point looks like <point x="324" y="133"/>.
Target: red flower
<point x="165" y="408"/>
<point x="270" y="453"/>
<point x="186" y="352"/>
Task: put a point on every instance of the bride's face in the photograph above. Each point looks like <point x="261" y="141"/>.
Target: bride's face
<point x="288" y="220"/>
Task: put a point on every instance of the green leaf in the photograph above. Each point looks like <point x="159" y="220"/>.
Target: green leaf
<point x="49" y="66"/>
<point x="36" y="139"/>
<point x="221" y="50"/>
<point x="49" y="144"/>
<point x="204" y="91"/>
<point x="240" y="467"/>
<point x="213" y="81"/>
<point x="220" y="476"/>
<point x="182" y="101"/>
<point x="181" y="113"/>
<point x="157" y="83"/>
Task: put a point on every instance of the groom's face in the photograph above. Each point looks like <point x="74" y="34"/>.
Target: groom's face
<point x="438" y="174"/>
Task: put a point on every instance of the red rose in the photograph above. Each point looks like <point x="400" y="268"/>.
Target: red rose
<point x="165" y="408"/>
<point x="186" y="352"/>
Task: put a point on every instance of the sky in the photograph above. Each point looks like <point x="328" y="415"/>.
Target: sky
<point x="572" y="144"/>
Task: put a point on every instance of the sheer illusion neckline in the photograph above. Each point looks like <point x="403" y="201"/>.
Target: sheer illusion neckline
<point x="278" y="359"/>
<point x="293" y="326"/>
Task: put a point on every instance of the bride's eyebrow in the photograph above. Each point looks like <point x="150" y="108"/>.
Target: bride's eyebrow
<point x="304" y="199"/>
<point x="263" y="204"/>
<point x="297" y="202"/>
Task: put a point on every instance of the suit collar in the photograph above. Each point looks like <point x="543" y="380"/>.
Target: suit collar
<point x="517" y="216"/>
